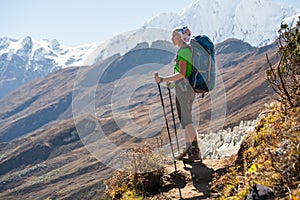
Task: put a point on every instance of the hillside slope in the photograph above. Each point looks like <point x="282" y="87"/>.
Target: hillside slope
<point x="42" y="151"/>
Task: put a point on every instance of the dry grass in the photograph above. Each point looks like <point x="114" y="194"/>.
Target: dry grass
<point x="141" y="177"/>
<point x="269" y="156"/>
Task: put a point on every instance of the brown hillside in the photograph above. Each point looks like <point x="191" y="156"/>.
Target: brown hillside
<point x="42" y="155"/>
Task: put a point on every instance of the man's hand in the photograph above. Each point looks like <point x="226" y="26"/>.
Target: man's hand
<point x="171" y="85"/>
<point x="157" y="78"/>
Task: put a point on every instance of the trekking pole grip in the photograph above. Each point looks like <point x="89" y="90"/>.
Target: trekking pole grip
<point x="156" y="75"/>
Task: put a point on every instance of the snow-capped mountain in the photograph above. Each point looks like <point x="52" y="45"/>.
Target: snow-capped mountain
<point x="122" y="43"/>
<point x="253" y="21"/>
<point x="35" y="54"/>
<point x="26" y="59"/>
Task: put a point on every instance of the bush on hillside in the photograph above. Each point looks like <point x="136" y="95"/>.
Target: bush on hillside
<point x="284" y="77"/>
<point x="141" y="176"/>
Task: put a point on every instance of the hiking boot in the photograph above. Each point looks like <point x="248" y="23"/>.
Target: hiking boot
<point x="183" y="154"/>
<point x="194" y="154"/>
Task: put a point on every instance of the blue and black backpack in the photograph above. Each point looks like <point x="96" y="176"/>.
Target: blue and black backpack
<point x="203" y="74"/>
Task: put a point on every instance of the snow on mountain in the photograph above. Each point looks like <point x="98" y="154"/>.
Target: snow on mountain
<point x="253" y="21"/>
<point x="125" y="42"/>
<point x="26" y="59"/>
<point x="35" y="52"/>
<point x="292" y="21"/>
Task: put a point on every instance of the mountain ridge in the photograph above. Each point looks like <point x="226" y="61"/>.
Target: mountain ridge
<point x="229" y="19"/>
<point x="18" y="103"/>
<point x="25" y="59"/>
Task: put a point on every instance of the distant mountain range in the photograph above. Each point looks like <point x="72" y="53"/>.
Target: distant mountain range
<point x="26" y="59"/>
<point x="49" y="99"/>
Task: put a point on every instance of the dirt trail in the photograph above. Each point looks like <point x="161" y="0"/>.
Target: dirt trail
<point x="191" y="180"/>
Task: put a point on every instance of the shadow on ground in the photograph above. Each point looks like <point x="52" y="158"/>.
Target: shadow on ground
<point x="192" y="181"/>
<point x="201" y="178"/>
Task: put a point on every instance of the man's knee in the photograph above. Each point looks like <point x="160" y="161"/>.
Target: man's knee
<point x="184" y="123"/>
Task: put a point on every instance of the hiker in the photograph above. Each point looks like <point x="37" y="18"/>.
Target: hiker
<point x="184" y="92"/>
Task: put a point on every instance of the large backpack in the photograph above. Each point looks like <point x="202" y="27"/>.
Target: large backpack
<point x="203" y="74"/>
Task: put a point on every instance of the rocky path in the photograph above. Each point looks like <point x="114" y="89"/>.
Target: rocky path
<point x="191" y="181"/>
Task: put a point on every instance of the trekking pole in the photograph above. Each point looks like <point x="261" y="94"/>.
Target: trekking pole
<point x="163" y="105"/>
<point x="173" y="116"/>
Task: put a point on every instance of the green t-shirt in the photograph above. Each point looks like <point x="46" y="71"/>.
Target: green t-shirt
<point x="186" y="55"/>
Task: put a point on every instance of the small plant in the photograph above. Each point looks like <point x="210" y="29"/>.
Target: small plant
<point x="141" y="176"/>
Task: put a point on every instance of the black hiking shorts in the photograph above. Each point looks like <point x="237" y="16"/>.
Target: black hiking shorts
<point x="185" y="96"/>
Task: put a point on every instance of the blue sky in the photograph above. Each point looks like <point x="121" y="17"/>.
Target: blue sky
<point x="75" y="22"/>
